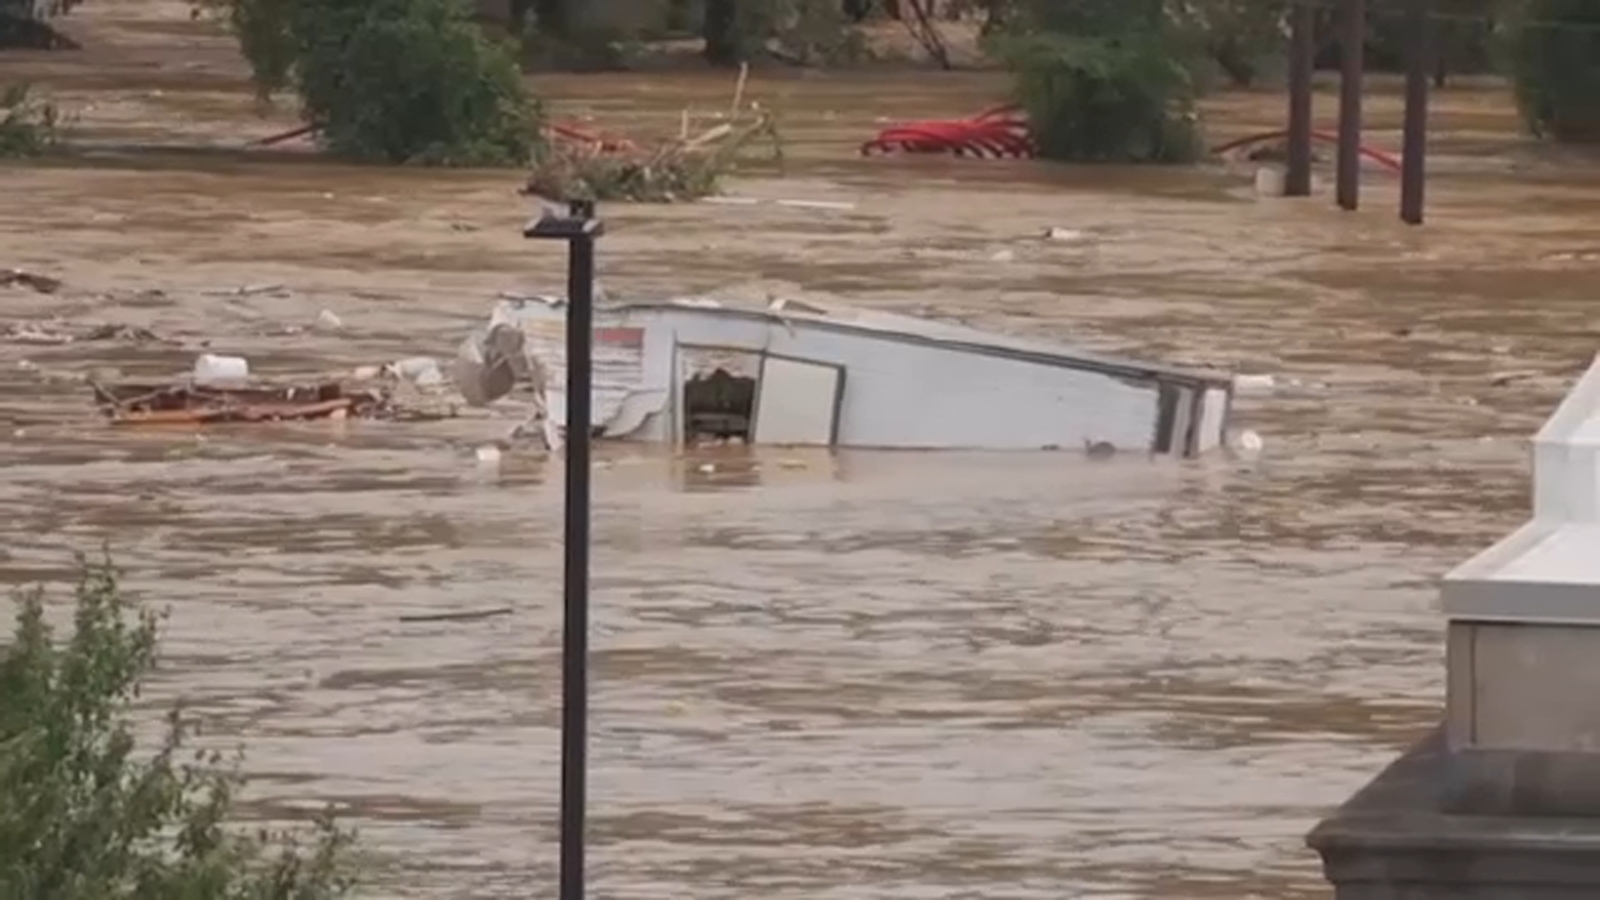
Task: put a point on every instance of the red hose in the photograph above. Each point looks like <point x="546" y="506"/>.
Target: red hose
<point x="998" y="132"/>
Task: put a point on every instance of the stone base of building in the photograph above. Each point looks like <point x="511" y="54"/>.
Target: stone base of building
<point x="1430" y="827"/>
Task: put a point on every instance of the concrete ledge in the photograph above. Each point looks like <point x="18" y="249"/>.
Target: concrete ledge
<point x="1397" y="839"/>
<point x="1521" y="783"/>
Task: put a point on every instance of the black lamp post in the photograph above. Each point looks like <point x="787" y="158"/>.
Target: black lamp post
<point x="579" y="228"/>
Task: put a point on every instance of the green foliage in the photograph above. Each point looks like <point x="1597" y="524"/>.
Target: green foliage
<point x="1552" y="53"/>
<point x="28" y="126"/>
<point x="806" y="32"/>
<point x="391" y="80"/>
<point x="1105" y="81"/>
<point x="25" y="24"/>
<point x="33" y="9"/>
<point x="83" y="818"/>
<point x="816" y="32"/>
<point x="1244" y="38"/>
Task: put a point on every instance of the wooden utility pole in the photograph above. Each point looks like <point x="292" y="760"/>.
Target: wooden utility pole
<point x="1302" y="25"/>
<point x="1352" y="55"/>
<point x="1413" y="164"/>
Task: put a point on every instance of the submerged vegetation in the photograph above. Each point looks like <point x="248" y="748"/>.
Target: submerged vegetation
<point x="423" y="81"/>
<point x="1552" y="50"/>
<point x="28" y="126"/>
<point x="1105" y="80"/>
<point x="393" y="81"/>
<point x="85" y="816"/>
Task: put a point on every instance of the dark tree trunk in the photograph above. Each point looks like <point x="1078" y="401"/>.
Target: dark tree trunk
<point x="678" y="15"/>
<point x="723" y="44"/>
<point x="553" y="18"/>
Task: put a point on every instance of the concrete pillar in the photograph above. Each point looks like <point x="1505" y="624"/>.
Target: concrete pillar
<point x="1503" y="800"/>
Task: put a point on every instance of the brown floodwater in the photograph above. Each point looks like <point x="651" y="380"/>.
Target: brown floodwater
<point x="856" y="675"/>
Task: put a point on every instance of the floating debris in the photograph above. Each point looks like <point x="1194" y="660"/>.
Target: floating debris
<point x="195" y="404"/>
<point x="44" y="284"/>
<point x="810" y="374"/>
<point x="1064" y="234"/>
<point x="31" y="333"/>
<point x="464" y="616"/>
<point x="120" y="333"/>
<point x="1254" y="384"/>
<point x="56" y="331"/>
<point x="211" y="369"/>
<point x="249" y="290"/>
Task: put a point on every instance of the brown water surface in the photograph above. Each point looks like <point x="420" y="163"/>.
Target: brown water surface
<point x="850" y="676"/>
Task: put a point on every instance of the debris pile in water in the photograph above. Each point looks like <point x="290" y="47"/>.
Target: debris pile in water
<point x="577" y="163"/>
<point x="197" y="404"/>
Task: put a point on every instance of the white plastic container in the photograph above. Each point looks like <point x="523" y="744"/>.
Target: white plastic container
<point x="1270" y="181"/>
<point x="213" y="369"/>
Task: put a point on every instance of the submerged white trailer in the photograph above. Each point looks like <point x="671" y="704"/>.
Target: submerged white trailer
<point x="806" y="374"/>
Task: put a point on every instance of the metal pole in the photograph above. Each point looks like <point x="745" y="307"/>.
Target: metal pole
<point x="575" y="642"/>
<point x="1351" y="59"/>
<point x="579" y="229"/>
<point x="1297" y="181"/>
<point x="1413" y="164"/>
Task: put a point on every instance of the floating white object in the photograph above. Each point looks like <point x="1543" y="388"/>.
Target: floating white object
<point x="328" y="321"/>
<point x="422" y="371"/>
<point x="488" y="455"/>
<point x="1248" y="442"/>
<point x="1270" y="181"/>
<point x="1064" y="234"/>
<point x="1253" y="383"/>
<point x="818" y="204"/>
<point x="213" y="369"/>
<point x="817" y="374"/>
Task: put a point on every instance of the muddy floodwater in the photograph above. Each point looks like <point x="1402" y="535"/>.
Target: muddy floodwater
<point x="830" y="677"/>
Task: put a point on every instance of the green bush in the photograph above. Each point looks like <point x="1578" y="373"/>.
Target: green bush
<point x="392" y="80"/>
<point x="28" y="126"/>
<point x="803" y="32"/>
<point x="1102" y="99"/>
<point x="83" y="817"/>
<point x="1552" y="53"/>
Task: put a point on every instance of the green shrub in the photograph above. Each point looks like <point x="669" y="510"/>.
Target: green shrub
<point x="28" y="126"/>
<point x="1552" y="53"/>
<point x="83" y="817"/>
<point x="1105" y="80"/>
<point x="392" y="80"/>
<point x="1104" y="99"/>
<point x="804" y="32"/>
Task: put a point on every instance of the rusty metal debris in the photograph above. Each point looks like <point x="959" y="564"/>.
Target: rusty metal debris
<point x="190" y="404"/>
